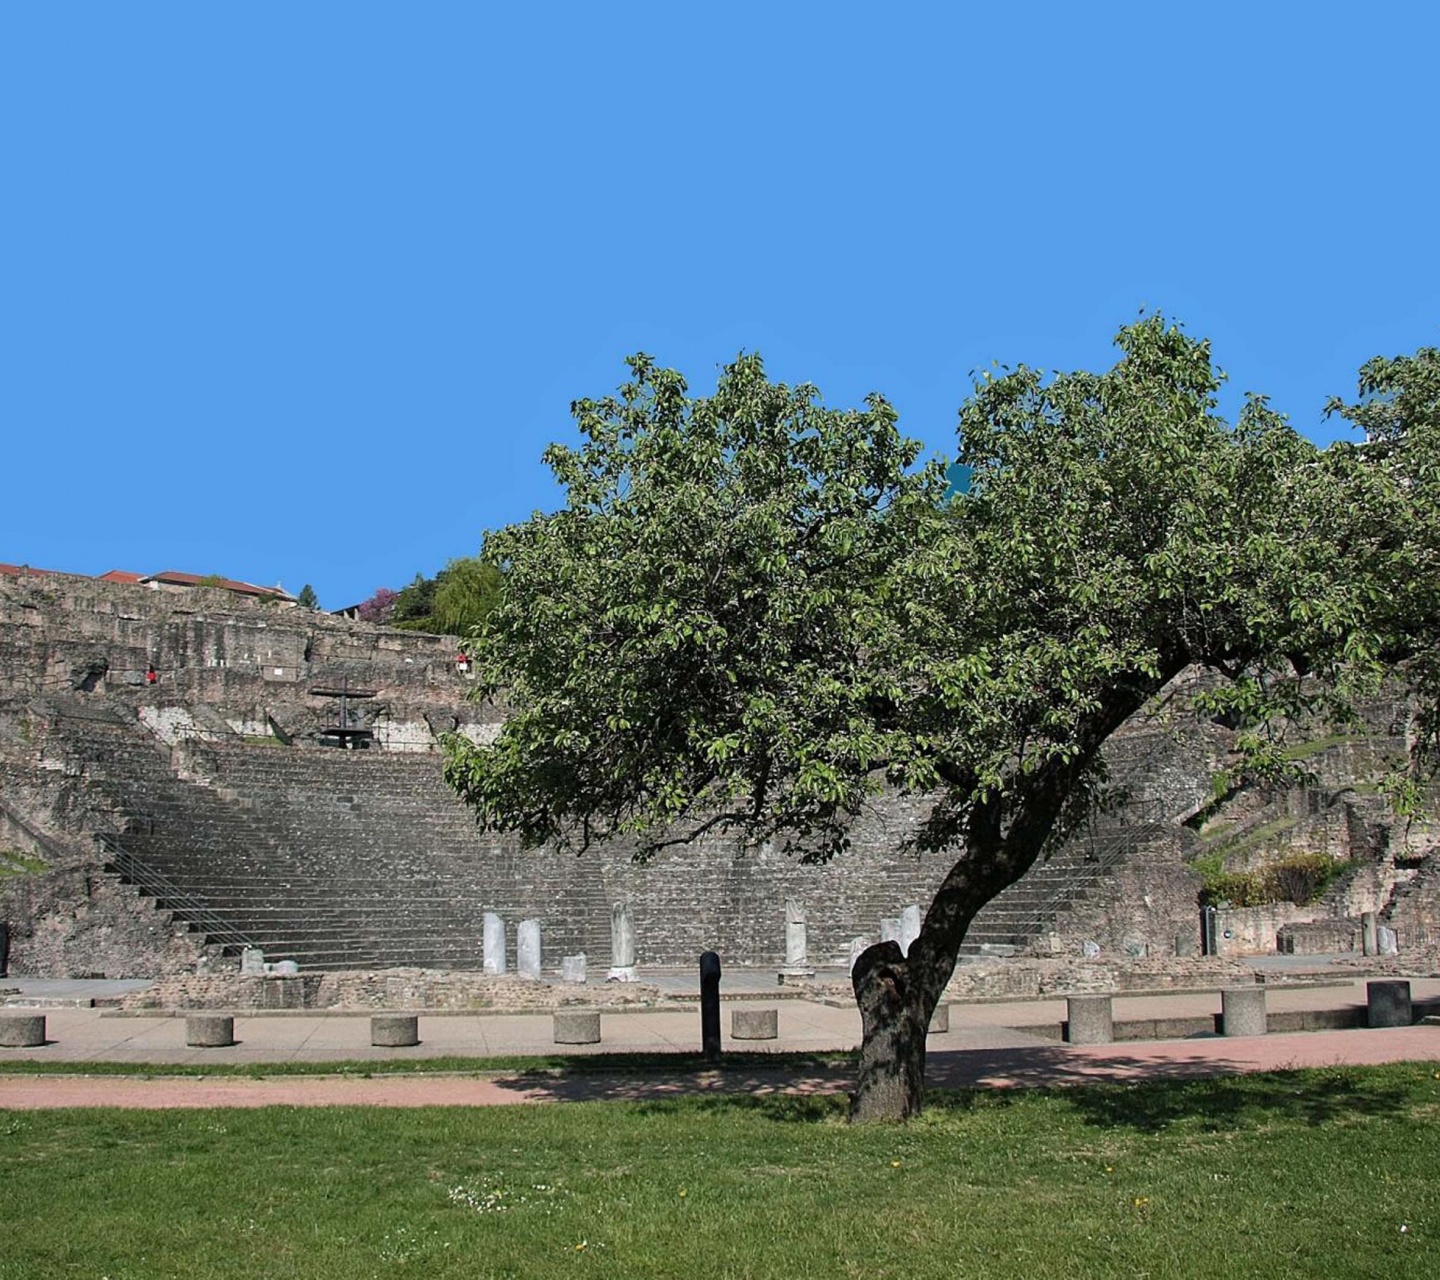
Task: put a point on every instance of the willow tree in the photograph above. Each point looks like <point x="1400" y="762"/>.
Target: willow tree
<point x="755" y="613"/>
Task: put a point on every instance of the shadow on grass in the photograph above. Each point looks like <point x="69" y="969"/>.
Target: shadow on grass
<point x="1146" y="1094"/>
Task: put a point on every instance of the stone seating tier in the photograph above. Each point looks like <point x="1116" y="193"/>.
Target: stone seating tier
<point x="365" y="859"/>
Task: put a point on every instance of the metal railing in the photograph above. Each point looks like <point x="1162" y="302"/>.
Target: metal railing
<point x="183" y="903"/>
<point x="1091" y="871"/>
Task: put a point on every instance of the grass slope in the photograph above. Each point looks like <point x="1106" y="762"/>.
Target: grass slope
<point x="1291" y="1174"/>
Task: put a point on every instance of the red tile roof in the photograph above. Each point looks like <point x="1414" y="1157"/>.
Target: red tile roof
<point x="175" y="578"/>
<point x="121" y="575"/>
<point x="24" y="570"/>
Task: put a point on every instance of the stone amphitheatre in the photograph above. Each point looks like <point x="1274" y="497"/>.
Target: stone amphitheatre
<point x="173" y="794"/>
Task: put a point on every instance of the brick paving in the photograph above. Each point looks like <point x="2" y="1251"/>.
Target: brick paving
<point x="990" y="1044"/>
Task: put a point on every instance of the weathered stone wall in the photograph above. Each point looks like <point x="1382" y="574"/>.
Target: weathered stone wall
<point x="369" y="844"/>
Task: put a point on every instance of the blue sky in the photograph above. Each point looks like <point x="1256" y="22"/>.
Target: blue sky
<point x="299" y="293"/>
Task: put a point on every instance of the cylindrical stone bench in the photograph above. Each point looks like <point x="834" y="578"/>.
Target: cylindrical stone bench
<point x="1242" y="1011"/>
<point x="939" y="1020"/>
<point x="1089" y="1020"/>
<point x="210" y="1031"/>
<point x="577" y="1026"/>
<point x="1389" y="1004"/>
<point x="754" y="1024"/>
<point x="394" y="1030"/>
<point x="22" y="1030"/>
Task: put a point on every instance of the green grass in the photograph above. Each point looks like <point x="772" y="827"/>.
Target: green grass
<point x="1291" y="1174"/>
<point x="15" y="863"/>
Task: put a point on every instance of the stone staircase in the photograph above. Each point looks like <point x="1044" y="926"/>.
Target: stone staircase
<point x="365" y="859"/>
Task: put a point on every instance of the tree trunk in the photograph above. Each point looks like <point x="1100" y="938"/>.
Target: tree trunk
<point x="891" y="1083"/>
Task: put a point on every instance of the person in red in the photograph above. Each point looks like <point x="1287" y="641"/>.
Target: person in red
<point x="151" y="676"/>
<point x="462" y="662"/>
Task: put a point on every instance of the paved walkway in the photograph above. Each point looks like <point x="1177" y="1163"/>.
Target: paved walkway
<point x="994" y="1044"/>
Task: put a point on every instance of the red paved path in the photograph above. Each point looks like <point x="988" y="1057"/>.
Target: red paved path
<point x="1000" y="1068"/>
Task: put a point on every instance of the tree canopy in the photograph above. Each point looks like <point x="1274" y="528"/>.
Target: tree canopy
<point x="755" y="612"/>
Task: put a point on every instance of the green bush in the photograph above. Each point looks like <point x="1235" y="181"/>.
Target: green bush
<point x="1301" y="880"/>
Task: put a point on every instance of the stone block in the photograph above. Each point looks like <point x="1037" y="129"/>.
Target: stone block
<point x="1242" y="1011"/>
<point x="394" y="1030"/>
<point x="577" y="1026"/>
<point x="527" y="949"/>
<point x="22" y="1030"/>
<point x="1389" y="1003"/>
<point x="754" y="1024"/>
<point x="1186" y="945"/>
<point x="1369" y="931"/>
<point x="1089" y="1020"/>
<point x="209" y="1031"/>
<point x="572" y="968"/>
<point x="939" y="1020"/>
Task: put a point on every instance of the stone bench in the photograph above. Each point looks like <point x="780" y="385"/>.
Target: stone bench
<point x="1242" y="1011"/>
<point x="754" y="1024"/>
<point x="1089" y="1020"/>
<point x="577" y="1026"/>
<point x="22" y="1030"/>
<point x="210" y="1031"/>
<point x="394" y="1030"/>
<point x="1388" y="1004"/>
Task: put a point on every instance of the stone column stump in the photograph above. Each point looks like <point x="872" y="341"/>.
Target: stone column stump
<point x="1242" y="1011"/>
<point x="22" y="1030"/>
<point x="754" y="1024"/>
<point x="577" y="1026"/>
<point x="209" y="1031"/>
<point x="1089" y="1020"/>
<point x="939" y="1020"/>
<point x="394" y="1031"/>
<point x="1389" y="1004"/>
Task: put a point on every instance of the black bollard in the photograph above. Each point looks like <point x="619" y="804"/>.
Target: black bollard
<point x="710" y="1006"/>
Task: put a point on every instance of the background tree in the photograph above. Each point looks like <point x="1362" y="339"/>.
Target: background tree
<point x="307" y="599"/>
<point x="468" y="590"/>
<point x="453" y="602"/>
<point x="379" y="607"/>
<point x="416" y="603"/>
<point x="754" y="613"/>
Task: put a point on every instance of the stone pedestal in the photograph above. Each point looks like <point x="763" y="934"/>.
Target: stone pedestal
<point x="572" y="968"/>
<point x="493" y="943"/>
<point x="1088" y="1020"/>
<point x="754" y="1024"/>
<point x="939" y="1020"/>
<point x="1389" y="1003"/>
<point x="209" y="1031"/>
<point x="527" y="949"/>
<point x="22" y="1030"/>
<point x="797" y="957"/>
<point x="577" y="1026"/>
<point x="252" y="962"/>
<point x="394" y="1030"/>
<point x="857" y="945"/>
<point x="909" y="928"/>
<point x="1242" y="1011"/>
<point x="622" y="945"/>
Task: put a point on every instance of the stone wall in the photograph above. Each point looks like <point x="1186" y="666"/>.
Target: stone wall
<point x="368" y="850"/>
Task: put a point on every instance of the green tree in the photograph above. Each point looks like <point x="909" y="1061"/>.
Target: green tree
<point x="468" y="590"/>
<point x="754" y="613"/>
<point x="416" y="602"/>
<point x="307" y="599"/>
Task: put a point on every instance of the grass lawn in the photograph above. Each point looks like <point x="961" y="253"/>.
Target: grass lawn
<point x="1331" y="1173"/>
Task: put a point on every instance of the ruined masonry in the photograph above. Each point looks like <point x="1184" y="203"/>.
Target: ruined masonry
<point x="160" y="828"/>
